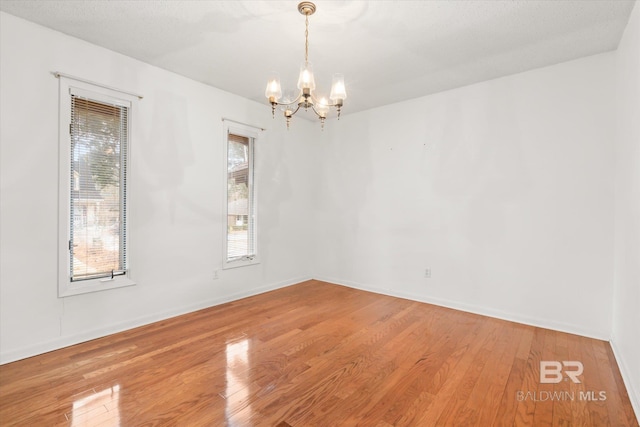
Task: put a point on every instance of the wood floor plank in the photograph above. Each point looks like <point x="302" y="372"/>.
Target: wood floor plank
<point x="621" y="394"/>
<point x="316" y="354"/>
<point x="460" y="383"/>
<point x="514" y="385"/>
<point x="486" y="400"/>
<point x="579" y="409"/>
<point x="456" y="412"/>
<point x="563" y="389"/>
<point x="525" y="410"/>
<point x="543" y="413"/>
<point x="593" y="384"/>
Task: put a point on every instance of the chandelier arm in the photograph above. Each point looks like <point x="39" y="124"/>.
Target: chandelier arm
<point x="295" y="111"/>
<point x="328" y="103"/>
<point x="315" y="111"/>
<point x="295" y="101"/>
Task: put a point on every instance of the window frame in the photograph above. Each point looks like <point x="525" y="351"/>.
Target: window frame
<point x="67" y="287"/>
<point x="252" y="133"/>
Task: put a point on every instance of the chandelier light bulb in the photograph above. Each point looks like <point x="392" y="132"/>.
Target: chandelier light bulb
<point x="322" y="107"/>
<point x="306" y="79"/>
<point x="338" y="90"/>
<point x="273" y="91"/>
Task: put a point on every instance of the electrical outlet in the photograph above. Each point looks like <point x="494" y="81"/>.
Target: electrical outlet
<point x="427" y="273"/>
<point x="215" y="275"/>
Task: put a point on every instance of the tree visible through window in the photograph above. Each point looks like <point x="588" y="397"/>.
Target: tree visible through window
<point x="240" y="198"/>
<point x="98" y="189"/>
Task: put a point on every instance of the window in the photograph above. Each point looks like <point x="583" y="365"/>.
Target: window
<point x="240" y="244"/>
<point x="94" y="154"/>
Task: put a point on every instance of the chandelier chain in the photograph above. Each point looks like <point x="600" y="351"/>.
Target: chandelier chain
<point x="306" y="40"/>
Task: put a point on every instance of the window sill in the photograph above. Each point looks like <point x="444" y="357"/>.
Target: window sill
<point x="95" y="285"/>
<point x="226" y="265"/>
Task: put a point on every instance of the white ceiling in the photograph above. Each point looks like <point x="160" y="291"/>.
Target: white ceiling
<point x="389" y="51"/>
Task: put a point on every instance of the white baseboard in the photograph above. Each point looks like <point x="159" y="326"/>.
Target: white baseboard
<point x="66" y="341"/>
<point x="498" y="314"/>
<point x="632" y="390"/>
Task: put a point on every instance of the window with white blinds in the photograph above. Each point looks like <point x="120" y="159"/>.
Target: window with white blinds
<point x="98" y="208"/>
<point x="95" y="133"/>
<point x="241" y="220"/>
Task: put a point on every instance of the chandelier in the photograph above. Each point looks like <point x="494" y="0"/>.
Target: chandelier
<point x="306" y="84"/>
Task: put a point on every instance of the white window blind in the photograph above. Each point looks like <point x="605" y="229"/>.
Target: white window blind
<point x="241" y="230"/>
<point x="98" y="184"/>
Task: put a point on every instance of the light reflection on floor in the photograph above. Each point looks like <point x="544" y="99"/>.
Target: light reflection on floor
<point x="237" y="391"/>
<point x="101" y="408"/>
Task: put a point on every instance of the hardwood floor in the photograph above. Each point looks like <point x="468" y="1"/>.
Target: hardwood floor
<point x="317" y="354"/>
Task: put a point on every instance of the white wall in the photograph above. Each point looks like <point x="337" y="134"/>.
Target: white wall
<point x="503" y="188"/>
<point x="176" y="195"/>
<point x="626" y="301"/>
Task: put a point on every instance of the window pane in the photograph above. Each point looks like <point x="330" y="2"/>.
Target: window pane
<point x="98" y="153"/>
<point x="240" y="229"/>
